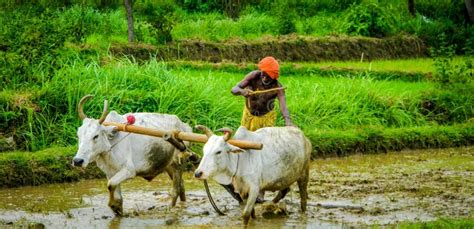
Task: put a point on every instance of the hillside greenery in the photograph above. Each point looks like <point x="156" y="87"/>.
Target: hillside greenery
<point x="54" y="52"/>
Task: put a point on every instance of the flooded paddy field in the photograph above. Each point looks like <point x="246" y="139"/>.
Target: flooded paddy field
<point x="379" y="189"/>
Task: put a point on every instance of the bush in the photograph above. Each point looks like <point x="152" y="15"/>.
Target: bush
<point x="160" y="16"/>
<point x="448" y="74"/>
<point x="453" y="103"/>
<point x="368" y="20"/>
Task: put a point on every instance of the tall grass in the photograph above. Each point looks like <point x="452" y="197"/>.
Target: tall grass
<point x="215" y="27"/>
<point x="321" y="24"/>
<point x="344" y="103"/>
<point x="203" y="97"/>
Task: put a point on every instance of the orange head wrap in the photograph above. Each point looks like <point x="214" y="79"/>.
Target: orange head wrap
<point x="270" y="66"/>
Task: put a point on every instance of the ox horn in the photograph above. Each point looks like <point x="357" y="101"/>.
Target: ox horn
<point x="205" y="129"/>
<point x="227" y="133"/>
<point x="105" y="112"/>
<point x="81" y="104"/>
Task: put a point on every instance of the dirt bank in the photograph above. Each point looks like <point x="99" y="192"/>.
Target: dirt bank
<point x="357" y="190"/>
<point x="285" y="48"/>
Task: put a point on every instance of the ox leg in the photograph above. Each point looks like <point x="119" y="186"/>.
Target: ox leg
<point x="249" y="206"/>
<point x="303" y="188"/>
<point x="115" y="195"/>
<point x="281" y="194"/>
<point x="178" y="184"/>
<point x="115" y="200"/>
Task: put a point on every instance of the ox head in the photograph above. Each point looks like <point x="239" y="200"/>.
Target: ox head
<point x="216" y="160"/>
<point x="93" y="137"/>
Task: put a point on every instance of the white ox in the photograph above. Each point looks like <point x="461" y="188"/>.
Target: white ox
<point x="283" y="160"/>
<point x="122" y="156"/>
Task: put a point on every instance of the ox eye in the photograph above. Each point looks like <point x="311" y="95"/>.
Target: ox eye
<point x="95" y="137"/>
<point x="218" y="152"/>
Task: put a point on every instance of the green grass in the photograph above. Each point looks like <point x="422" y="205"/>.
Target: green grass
<point x="440" y="223"/>
<point x="423" y="65"/>
<point x="216" y="27"/>
<point x="322" y="102"/>
<point x="321" y="24"/>
<point x="377" y="139"/>
<point x="202" y="96"/>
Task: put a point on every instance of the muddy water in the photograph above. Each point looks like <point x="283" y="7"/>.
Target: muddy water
<point x="355" y="190"/>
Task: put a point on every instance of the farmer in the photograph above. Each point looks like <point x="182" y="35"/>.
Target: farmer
<point x="259" y="107"/>
<point x="260" y="89"/>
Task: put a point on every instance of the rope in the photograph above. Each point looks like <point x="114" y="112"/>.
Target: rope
<point x="212" y="200"/>
<point x="125" y="129"/>
<point x="209" y="193"/>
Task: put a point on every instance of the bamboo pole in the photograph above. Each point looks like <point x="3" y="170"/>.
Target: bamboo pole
<point x="185" y="136"/>
<point x="266" y="91"/>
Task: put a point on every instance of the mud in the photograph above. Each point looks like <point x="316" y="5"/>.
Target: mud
<point x="351" y="191"/>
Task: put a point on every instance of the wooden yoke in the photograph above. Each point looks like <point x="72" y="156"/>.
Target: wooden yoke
<point x="184" y="136"/>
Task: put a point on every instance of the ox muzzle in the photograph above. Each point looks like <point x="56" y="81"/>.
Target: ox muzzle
<point x="77" y="162"/>
<point x="198" y="174"/>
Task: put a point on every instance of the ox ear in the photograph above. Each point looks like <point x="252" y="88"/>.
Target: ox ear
<point x="234" y="149"/>
<point x="111" y="131"/>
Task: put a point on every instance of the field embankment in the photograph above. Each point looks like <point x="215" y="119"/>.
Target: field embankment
<point x="53" y="165"/>
<point x="285" y="48"/>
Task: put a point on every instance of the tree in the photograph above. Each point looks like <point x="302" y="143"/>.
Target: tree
<point x="470" y="9"/>
<point x="411" y="7"/>
<point x="128" y="8"/>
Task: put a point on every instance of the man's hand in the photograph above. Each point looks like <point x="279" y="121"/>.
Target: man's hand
<point x="246" y="92"/>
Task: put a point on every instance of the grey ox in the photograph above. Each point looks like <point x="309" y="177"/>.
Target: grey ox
<point x="122" y="156"/>
<point x="283" y="160"/>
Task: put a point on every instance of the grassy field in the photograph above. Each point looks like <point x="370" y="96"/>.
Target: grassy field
<point x="46" y="112"/>
<point x="421" y="65"/>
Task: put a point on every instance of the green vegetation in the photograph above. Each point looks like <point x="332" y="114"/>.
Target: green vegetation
<point x="371" y="139"/>
<point x="421" y="65"/>
<point x="176" y="20"/>
<point x="54" y="52"/>
<point x="52" y="165"/>
<point x="440" y="223"/>
<point x="47" y="115"/>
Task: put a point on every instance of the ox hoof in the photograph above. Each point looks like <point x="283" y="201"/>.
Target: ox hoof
<point x="116" y="208"/>
<point x="246" y="220"/>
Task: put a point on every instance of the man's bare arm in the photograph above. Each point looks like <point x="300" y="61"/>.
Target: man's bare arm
<point x="239" y="88"/>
